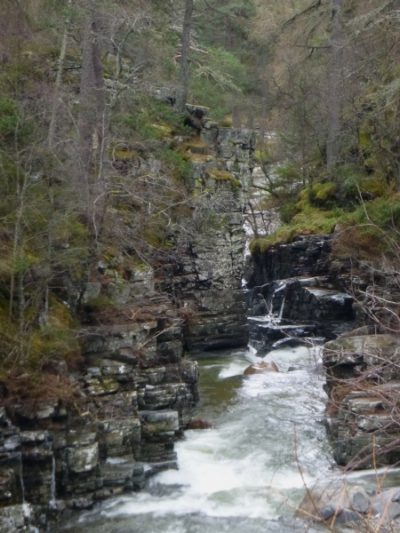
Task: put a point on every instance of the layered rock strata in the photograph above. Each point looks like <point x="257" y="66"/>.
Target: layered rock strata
<point x="363" y="383"/>
<point x="362" y="368"/>
<point x="135" y="393"/>
<point x="292" y="295"/>
<point x="206" y="277"/>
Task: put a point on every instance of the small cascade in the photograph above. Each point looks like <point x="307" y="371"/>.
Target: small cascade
<point x="21" y="477"/>
<point x="280" y="316"/>
<point x="53" y="485"/>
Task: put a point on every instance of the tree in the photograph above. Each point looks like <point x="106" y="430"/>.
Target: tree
<point x="185" y="57"/>
<point x="92" y="117"/>
<point x="335" y="85"/>
<point x="58" y="81"/>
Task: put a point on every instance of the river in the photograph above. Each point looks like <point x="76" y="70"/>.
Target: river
<point x="248" y="472"/>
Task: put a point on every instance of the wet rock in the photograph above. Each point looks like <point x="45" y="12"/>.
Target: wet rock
<point x="261" y="368"/>
<point x="364" y="389"/>
<point x="83" y="459"/>
<point x="155" y="422"/>
<point x="306" y="256"/>
<point x="332" y="502"/>
<point x="327" y="512"/>
<point x="198" y="423"/>
<point x="80" y="504"/>
<point x="394" y="511"/>
<point x="121" y="437"/>
<point x="268" y="334"/>
<point x="14" y="518"/>
<point x="206" y="273"/>
<point x="347" y="517"/>
<point x="78" y="438"/>
<point x="385" y="504"/>
<point x="360" y="501"/>
<point x="8" y="481"/>
<point x="171" y="395"/>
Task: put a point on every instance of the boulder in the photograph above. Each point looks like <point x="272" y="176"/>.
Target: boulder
<point x="261" y="368"/>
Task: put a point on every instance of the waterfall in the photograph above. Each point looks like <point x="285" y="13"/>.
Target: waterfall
<point x="21" y="477"/>
<point x="277" y="318"/>
<point x="53" y="484"/>
<point x="282" y="309"/>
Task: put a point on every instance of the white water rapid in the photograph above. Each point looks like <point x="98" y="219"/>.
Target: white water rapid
<point x="249" y="471"/>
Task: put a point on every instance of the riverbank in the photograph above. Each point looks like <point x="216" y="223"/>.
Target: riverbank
<point x="250" y="468"/>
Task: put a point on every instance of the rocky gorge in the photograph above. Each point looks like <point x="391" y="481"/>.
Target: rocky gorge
<point x="137" y="386"/>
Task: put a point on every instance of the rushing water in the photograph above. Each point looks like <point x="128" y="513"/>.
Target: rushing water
<point x="249" y="471"/>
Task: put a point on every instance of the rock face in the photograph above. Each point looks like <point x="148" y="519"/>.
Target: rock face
<point x="294" y="295"/>
<point x="136" y="394"/>
<point x="290" y="283"/>
<point x="136" y="388"/>
<point x="206" y="275"/>
<point x="363" y="382"/>
<point x="305" y="256"/>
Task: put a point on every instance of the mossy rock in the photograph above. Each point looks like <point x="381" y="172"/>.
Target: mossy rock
<point x="198" y="158"/>
<point x="125" y="155"/>
<point x="227" y="121"/>
<point x="164" y="130"/>
<point x="223" y="176"/>
<point x="324" y="191"/>
<point x="196" y="146"/>
<point x="312" y="221"/>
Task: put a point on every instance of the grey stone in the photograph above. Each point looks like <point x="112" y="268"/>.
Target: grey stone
<point x="360" y="502"/>
<point x="92" y="291"/>
<point x="327" y="512"/>
<point x="12" y="518"/>
<point x="394" y="510"/>
<point x="347" y="516"/>
<point x="83" y="459"/>
<point x="160" y="421"/>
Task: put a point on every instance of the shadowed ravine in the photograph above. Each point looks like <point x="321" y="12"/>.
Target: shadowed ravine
<point x="248" y="471"/>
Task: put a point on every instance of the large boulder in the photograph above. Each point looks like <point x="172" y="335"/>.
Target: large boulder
<point x="261" y="368"/>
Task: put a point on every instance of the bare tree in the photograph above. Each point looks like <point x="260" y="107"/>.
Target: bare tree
<point x="185" y="57"/>
<point x="335" y="92"/>
<point x="58" y="82"/>
<point x="91" y="114"/>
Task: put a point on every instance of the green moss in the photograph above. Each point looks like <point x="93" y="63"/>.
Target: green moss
<point x="309" y="222"/>
<point x="37" y="346"/>
<point x="125" y="154"/>
<point x="227" y="121"/>
<point x="323" y="192"/>
<point x="371" y="230"/>
<point x="154" y="233"/>
<point x="195" y="146"/>
<point x="382" y="212"/>
<point x="224" y="176"/>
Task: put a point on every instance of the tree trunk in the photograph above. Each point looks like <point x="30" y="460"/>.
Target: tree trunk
<point x="335" y="86"/>
<point x="182" y="95"/>
<point x="91" y="122"/>
<point x="58" y="82"/>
